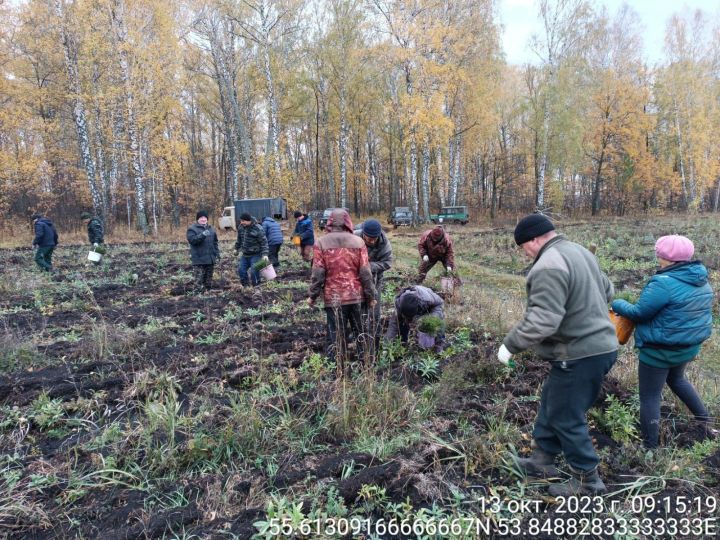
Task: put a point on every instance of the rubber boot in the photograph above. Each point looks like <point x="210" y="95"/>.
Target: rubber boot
<point x="540" y="464"/>
<point x="580" y="483"/>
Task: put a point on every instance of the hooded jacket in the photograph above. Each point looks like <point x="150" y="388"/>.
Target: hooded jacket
<point x="437" y="251"/>
<point x="674" y="310"/>
<point x="304" y="229"/>
<point x="251" y="240"/>
<point x="429" y="304"/>
<point x="341" y="269"/>
<point x="204" y="249"/>
<point x="273" y="233"/>
<point x="45" y="233"/>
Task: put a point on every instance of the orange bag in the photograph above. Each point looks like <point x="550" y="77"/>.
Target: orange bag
<point x="623" y="327"/>
<point x="296" y="240"/>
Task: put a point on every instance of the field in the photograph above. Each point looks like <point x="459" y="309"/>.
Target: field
<point x="132" y="408"/>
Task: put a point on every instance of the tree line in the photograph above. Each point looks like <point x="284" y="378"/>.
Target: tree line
<point x="146" y="110"/>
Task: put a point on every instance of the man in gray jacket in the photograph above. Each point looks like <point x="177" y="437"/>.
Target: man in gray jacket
<point x="381" y="256"/>
<point x="567" y="323"/>
<point x="411" y="304"/>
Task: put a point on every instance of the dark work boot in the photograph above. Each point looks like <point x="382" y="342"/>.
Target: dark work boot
<point x="540" y="464"/>
<point x="580" y="483"/>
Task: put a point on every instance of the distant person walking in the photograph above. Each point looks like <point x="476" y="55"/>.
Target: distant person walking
<point x="252" y="246"/>
<point x="341" y="273"/>
<point x="95" y="229"/>
<point x="567" y="323"/>
<point x="673" y="317"/>
<point x="204" y="251"/>
<point x="274" y="236"/>
<point x="304" y="231"/>
<point x="435" y="246"/>
<point x="45" y="241"/>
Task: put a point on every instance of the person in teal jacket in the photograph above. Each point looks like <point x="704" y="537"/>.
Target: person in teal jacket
<point x="673" y="317"/>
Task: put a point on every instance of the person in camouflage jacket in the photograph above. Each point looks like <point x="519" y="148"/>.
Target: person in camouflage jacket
<point x="435" y="246"/>
<point x="341" y="273"/>
<point x="253" y="246"/>
<point x="95" y="229"/>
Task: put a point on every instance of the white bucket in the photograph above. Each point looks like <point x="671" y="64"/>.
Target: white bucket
<point x="94" y="256"/>
<point x="268" y="273"/>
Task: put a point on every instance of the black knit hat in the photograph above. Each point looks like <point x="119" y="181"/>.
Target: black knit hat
<point x="86" y="215"/>
<point x="372" y="228"/>
<point x="36" y="216"/>
<point x="531" y="227"/>
<point x="245" y="217"/>
<point x="409" y="306"/>
<point x="202" y="213"/>
<point x="298" y="213"/>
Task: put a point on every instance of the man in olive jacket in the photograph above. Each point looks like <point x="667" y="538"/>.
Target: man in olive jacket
<point x="95" y="230"/>
<point x="567" y="323"/>
<point x="381" y="256"/>
<point x="253" y="245"/>
<point x="204" y="250"/>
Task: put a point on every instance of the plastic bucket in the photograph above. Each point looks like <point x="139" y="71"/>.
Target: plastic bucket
<point x="447" y="284"/>
<point x="296" y="240"/>
<point x="268" y="273"/>
<point x="94" y="256"/>
<point x="425" y="341"/>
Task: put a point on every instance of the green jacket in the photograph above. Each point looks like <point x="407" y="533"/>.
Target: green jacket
<point x="567" y="314"/>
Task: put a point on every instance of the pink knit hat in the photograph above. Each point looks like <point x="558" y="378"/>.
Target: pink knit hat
<point x="674" y="248"/>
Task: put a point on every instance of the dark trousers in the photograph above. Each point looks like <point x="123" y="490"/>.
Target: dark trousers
<point x="245" y="265"/>
<point x="273" y="255"/>
<point x="347" y="319"/>
<point x="203" y="274"/>
<point x="373" y="328"/>
<point x="567" y="395"/>
<point x="651" y="381"/>
<point x="43" y="257"/>
<point x="425" y="267"/>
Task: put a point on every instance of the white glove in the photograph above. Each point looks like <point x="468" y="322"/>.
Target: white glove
<point x="504" y="355"/>
<point x="426" y="258"/>
<point x="449" y="269"/>
<point x="265" y="258"/>
<point x="206" y="232"/>
<point x="95" y="245"/>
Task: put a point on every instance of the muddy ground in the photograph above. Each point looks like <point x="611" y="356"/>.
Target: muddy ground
<point x="90" y="348"/>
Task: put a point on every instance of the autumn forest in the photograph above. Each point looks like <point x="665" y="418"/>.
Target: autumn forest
<point x="146" y="110"/>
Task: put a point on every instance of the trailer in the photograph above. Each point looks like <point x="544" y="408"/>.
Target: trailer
<point x="275" y="207"/>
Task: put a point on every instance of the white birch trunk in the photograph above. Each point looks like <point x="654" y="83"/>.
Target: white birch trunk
<point x="343" y="147"/>
<point x="79" y="116"/>
<point x="426" y="180"/>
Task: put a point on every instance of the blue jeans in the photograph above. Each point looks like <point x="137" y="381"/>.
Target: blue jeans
<point x="246" y="262"/>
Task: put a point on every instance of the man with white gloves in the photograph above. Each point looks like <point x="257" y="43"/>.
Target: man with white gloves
<point x="435" y="246"/>
<point x="567" y="323"/>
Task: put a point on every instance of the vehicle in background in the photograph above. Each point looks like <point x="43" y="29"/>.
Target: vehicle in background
<point x="275" y="207"/>
<point x="451" y="214"/>
<point x="402" y="215"/>
<point x="324" y="219"/>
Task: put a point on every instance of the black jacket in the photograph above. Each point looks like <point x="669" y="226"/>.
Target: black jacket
<point x="203" y="247"/>
<point x="96" y="232"/>
<point x="45" y="233"/>
<point x="251" y="240"/>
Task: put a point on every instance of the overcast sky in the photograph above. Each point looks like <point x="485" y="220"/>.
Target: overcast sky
<point x="520" y="18"/>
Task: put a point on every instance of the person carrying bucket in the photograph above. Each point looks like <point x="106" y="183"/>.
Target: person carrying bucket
<point x="435" y="246"/>
<point x="252" y="246"/>
<point x="411" y="305"/>
<point x="304" y="236"/>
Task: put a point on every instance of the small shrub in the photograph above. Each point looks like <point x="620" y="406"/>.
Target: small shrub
<point x="431" y="325"/>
